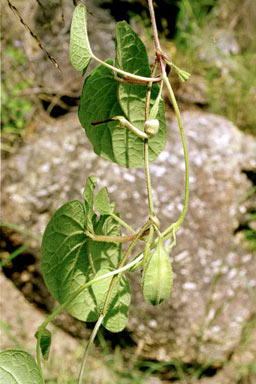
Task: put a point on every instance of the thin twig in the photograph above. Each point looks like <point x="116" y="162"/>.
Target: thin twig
<point x="41" y="46"/>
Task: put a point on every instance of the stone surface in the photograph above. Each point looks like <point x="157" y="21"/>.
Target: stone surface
<point x="17" y="332"/>
<point x="214" y="278"/>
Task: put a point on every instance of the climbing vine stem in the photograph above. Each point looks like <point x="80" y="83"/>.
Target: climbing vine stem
<point x="87" y="349"/>
<point x="126" y="74"/>
<point x="108" y="296"/>
<point x="163" y="58"/>
<point x="175" y="226"/>
<point x="146" y="156"/>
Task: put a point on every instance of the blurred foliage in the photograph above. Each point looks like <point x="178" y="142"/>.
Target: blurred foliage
<point x="192" y="17"/>
<point x="16" y="110"/>
<point x="212" y="38"/>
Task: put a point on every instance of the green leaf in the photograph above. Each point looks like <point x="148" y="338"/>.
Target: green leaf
<point x="80" y="51"/>
<point x="131" y="53"/>
<point x="100" y="289"/>
<point x="99" y="102"/>
<point x="65" y="258"/>
<point x="117" y="312"/>
<point x="18" y="367"/>
<point x="103" y="97"/>
<point x="70" y="258"/>
<point x="45" y="343"/>
<point x="102" y="203"/>
<point x="118" y="306"/>
<point x="106" y="254"/>
<point x="88" y="194"/>
<point x="131" y="56"/>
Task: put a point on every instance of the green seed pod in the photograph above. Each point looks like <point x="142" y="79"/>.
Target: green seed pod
<point x="157" y="276"/>
<point x="151" y="127"/>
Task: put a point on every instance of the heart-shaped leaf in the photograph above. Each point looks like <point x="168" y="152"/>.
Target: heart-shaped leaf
<point x="99" y="102"/>
<point x="65" y="258"/>
<point x="19" y="367"/>
<point x="80" y="51"/>
<point x="70" y="258"/>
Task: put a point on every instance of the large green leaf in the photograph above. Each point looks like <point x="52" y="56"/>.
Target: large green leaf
<point x="131" y="56"/>
<point x="18" y="367"/>
<point x="70" y="258"/>
<point x="99" y="102"/>
<point x="80" y="51"/>
<point x="131" y="53"/>
<point x="65" y="259"/>
<point x="104" y="97"/>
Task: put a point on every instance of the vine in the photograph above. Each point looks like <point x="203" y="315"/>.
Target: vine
<point x="122" y="113"/>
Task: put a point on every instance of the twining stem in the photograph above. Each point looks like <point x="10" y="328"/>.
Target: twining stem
<point x="127" y="74"/>
<point x="116" y="239"/>
<point x="146" y="151"/>
<point x="127" y="124"/>
<point x="124" y="123"/>
<point x="90" y="342"/>
<point x="175" y="226"/>
<point x="52" y="316"/>
<point x="148" y="180"/>
<point x="122" y="262"/>
<point x="154" y="27"/>
<point x="179" y="222"/>
<point x="108" y="296"/>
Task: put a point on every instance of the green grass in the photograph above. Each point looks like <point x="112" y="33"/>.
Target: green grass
<point x="16" y="109"/>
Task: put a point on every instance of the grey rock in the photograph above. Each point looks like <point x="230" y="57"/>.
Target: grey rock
<point x="214" y="277"/>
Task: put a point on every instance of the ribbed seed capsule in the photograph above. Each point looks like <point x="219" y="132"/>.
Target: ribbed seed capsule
<point x="157" y="276"/>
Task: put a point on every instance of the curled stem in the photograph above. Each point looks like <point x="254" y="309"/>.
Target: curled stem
<point x="175" y="226"/>
<point x="124" y="123"/>
<point x="127" y="74"/>
<point x="146" y="154"/>
<point x="90" y="342"/>
<point x="116" y="239"/>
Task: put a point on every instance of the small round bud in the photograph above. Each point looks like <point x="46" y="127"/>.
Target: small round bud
<point x="151" y="127"/>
